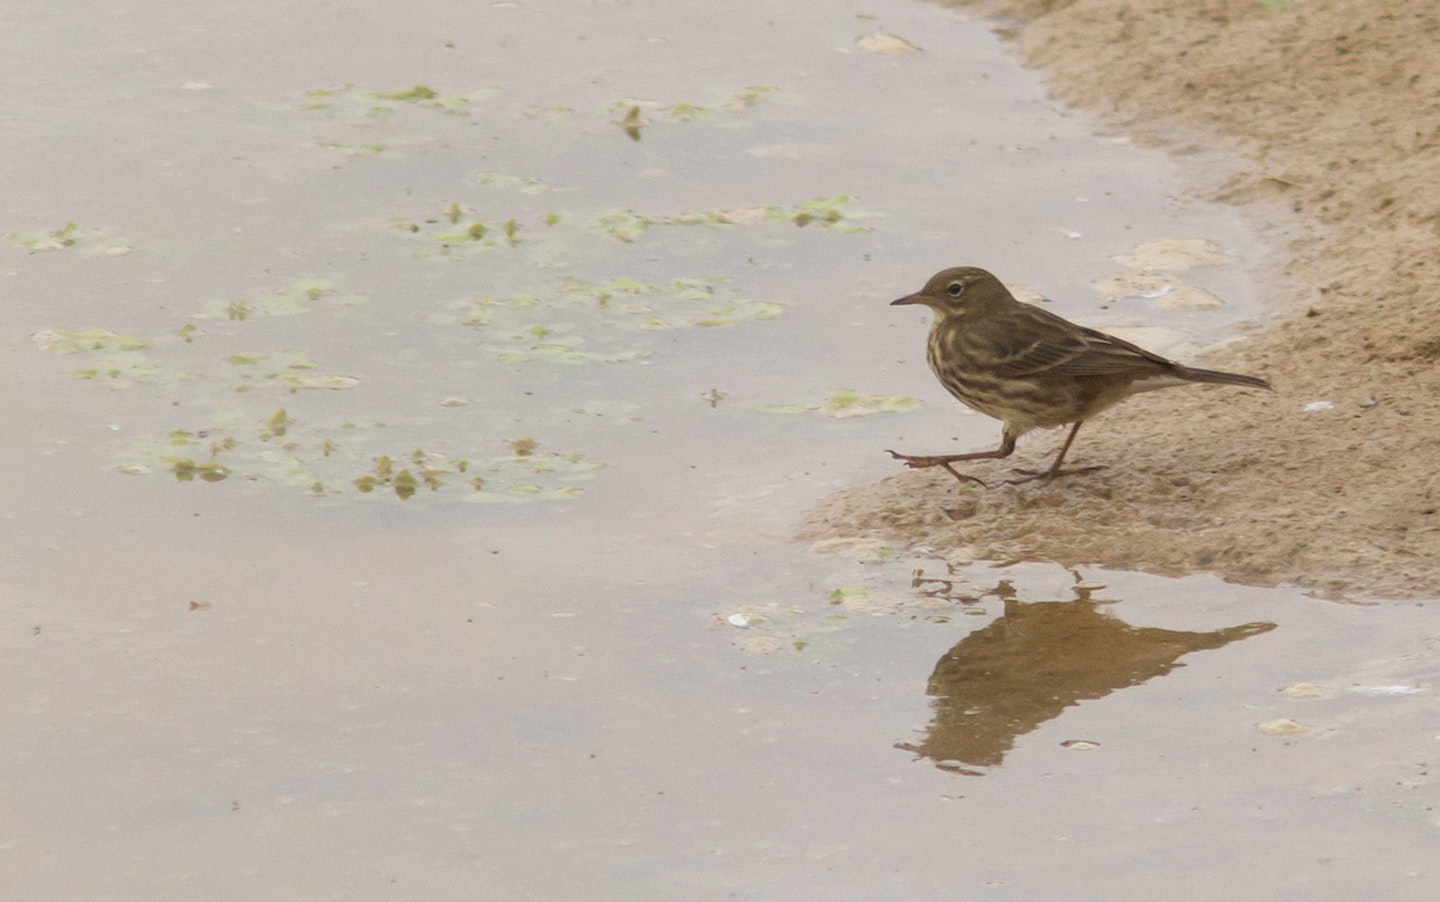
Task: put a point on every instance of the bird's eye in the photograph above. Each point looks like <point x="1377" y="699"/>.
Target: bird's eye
<point x="955" y="289"/>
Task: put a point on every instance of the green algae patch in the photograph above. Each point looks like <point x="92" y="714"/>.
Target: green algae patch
<point x="828" y="213"/>
<point x="631" y="122"/>
<point x="424" y="96"/>
<point x="677" y="304"/>
<point x="460" y="232"/>
<point x="349" y="101"/>
<point x="283" y="451"/>
<point x="121" y="370"/>
<point x="537" y="475"/>
<point x="551" y="113"/>
<point x="289" y="369"/>
<point x="187" y="470"/>
<point x="634" y="114"/>
<point x="296" y="299"/>
<point x="113" y="359"/>
<point x="275" y="425"/>
<point x="600" y="322"/>
<point x="368" y="123"/>
<point x="553" y="344"/>
<point x="61" y="341"/>
<point x="417" y="94"/>
<point x="615" y="294"/>
<point x="101" y="242"/>
<point x="846" y="594"/>
<point x="833" y="213"/>
<point x="818" y="625"/>
<point x="508" y="182"/>
<point x="482" y="311"/>
<point x="843" y="403"/>
<point x="721" y="315"/>
<point x="355" y="150"/>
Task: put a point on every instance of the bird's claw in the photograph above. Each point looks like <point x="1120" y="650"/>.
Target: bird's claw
<point x="914" y="461"/>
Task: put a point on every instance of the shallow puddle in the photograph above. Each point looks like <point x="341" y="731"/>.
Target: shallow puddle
<point x="411" y="412"/>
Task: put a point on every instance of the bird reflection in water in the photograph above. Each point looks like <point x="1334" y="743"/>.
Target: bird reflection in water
<point x="1037" y="659"/>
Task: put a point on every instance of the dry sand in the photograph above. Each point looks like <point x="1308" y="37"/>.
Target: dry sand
<point x="1328" y="113"/>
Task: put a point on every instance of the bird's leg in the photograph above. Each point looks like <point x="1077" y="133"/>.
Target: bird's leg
<point x="1032" y="475"/>
<point x="921" y="461"/>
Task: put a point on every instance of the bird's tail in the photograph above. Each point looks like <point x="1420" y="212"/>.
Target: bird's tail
<point x="1195" y="374"/>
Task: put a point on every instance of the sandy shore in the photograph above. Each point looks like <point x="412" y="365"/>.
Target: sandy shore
<point x="1328" y="113"/>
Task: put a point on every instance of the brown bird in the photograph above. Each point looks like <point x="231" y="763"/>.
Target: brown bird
<point x="1029" y="368"/>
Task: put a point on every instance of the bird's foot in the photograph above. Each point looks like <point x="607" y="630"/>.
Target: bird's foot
<point x="1044" y="476"/>
<point x="921" y="461"/>
<point x="924" y="461"/>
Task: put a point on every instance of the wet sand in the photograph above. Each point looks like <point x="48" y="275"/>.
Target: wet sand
<point x="1323" y="119"/>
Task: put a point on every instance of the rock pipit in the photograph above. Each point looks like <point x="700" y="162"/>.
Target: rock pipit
<point x="1029" y="368"/>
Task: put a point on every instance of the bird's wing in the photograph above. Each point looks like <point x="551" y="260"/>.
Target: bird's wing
<point x="1034" y="341"/>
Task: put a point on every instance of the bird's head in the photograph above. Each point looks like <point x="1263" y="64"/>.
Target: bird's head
<point x="957" y="291"/>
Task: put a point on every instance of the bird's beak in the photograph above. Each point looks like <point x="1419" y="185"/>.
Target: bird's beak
<point x="907" y="299"/>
